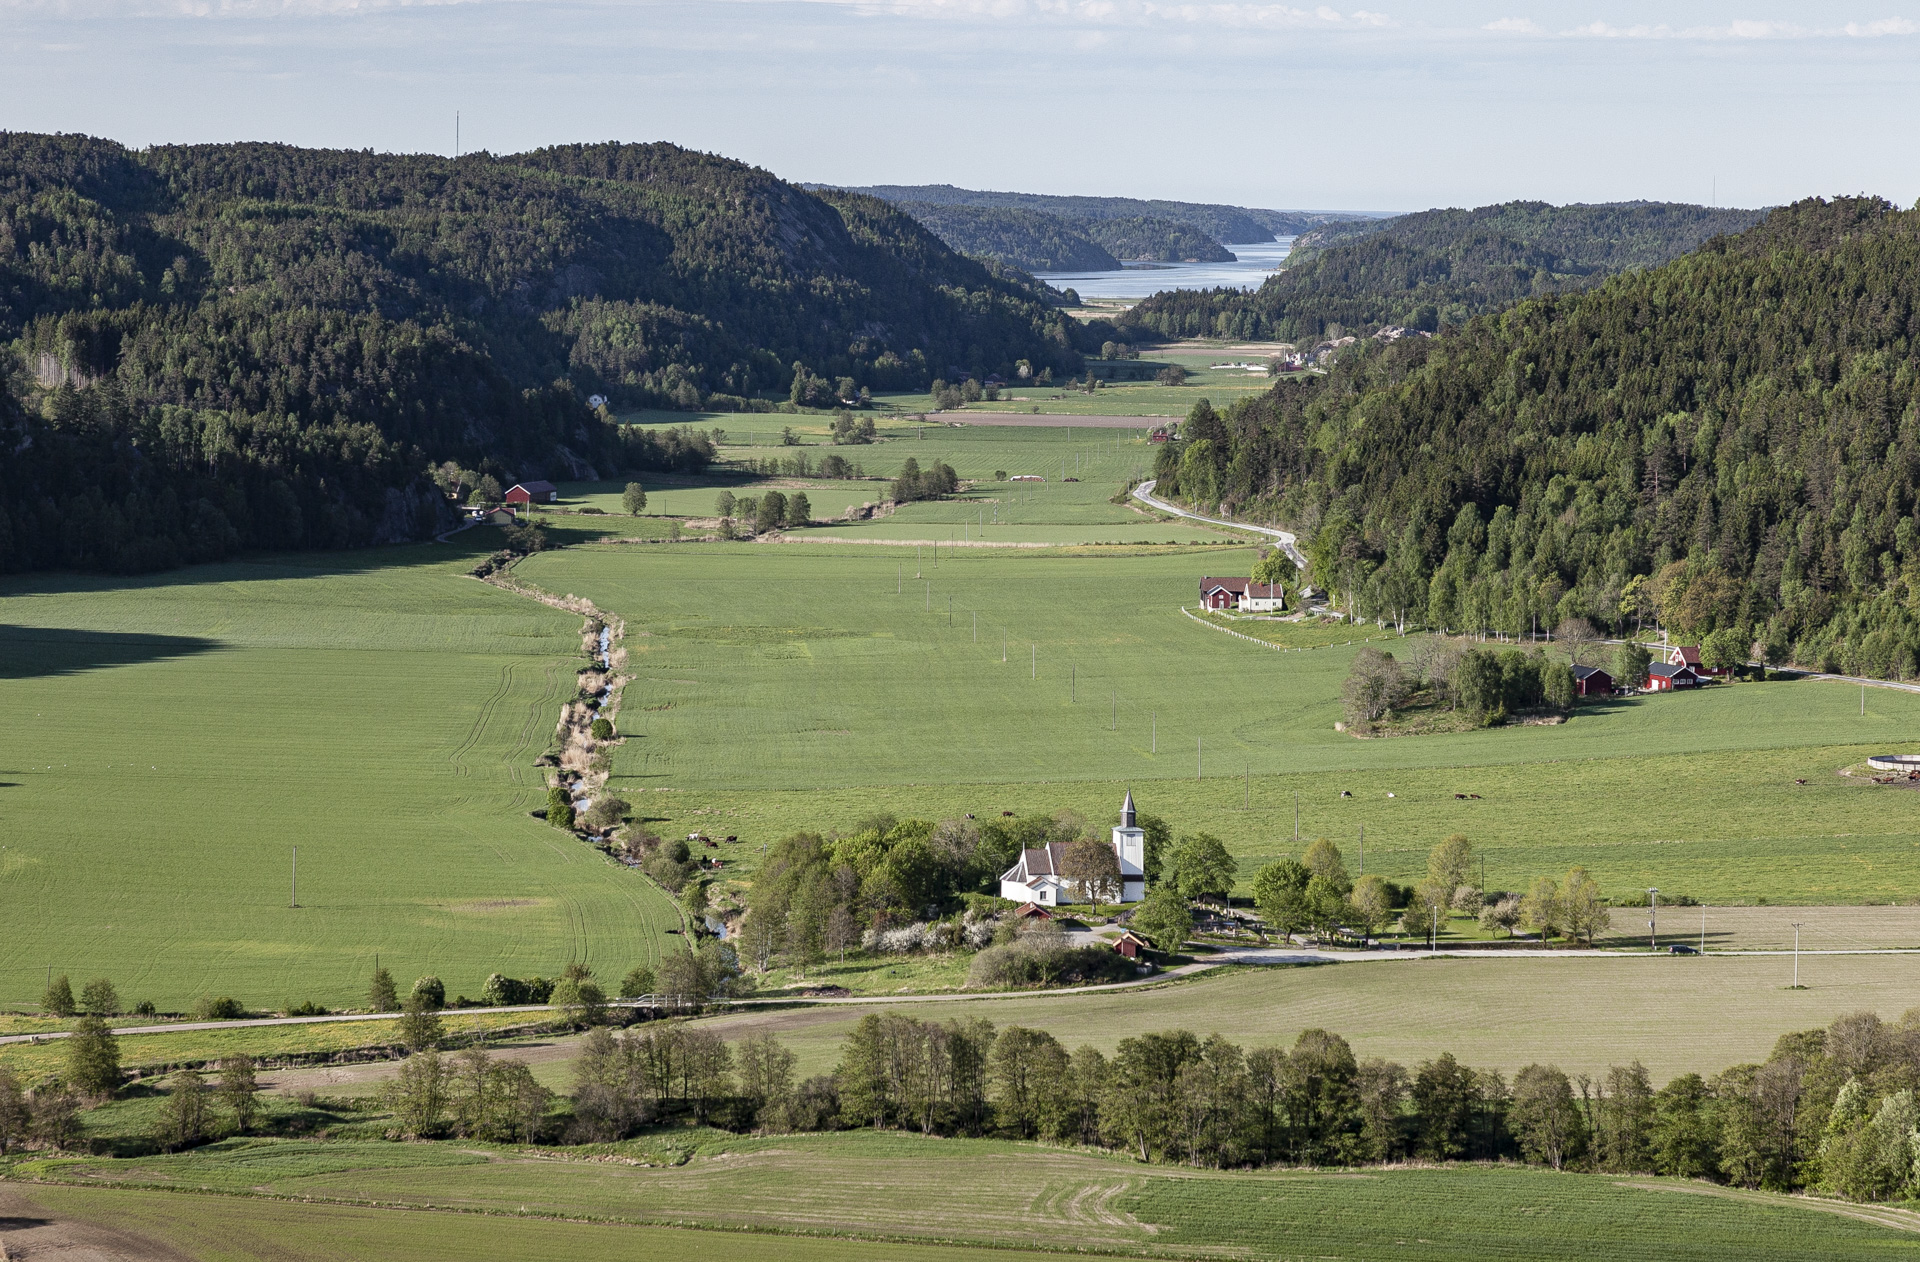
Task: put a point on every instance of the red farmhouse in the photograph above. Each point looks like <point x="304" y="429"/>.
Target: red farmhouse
<point x="1688" y="655"/>
<point x="1665" y="676"/>
<point x="1232" y="593"/>
<point x="532" y="493"/>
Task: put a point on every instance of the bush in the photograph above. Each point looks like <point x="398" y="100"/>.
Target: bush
<point x="500" y="991"/>
<point x="145" y="1008"/>
<point x="221" y="1009"/>
<point x="307" y="1009"/>
<point x="559" y="808"/>
<point x="602" y="729"/>
<point x="431" y="993"/>
<point x="637" y="983"/>
<point x="1026" y="962"/>
<point x="1171" y="375"/>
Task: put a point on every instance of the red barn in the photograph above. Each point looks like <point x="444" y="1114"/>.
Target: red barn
<point x="1131" y="945"/>
<point x="532" y="493"/>
<point x="1591" y="681"/>
<point x="1223" y="593"/>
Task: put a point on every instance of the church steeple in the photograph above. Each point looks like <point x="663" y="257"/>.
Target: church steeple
<point x="1127" y="812"/>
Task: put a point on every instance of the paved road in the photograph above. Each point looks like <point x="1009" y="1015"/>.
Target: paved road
<point x="1288" y="541"/>
<point x="1291" y="955"/>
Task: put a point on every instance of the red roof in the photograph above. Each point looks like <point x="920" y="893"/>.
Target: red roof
<point x="1685" y="655"/>
<point x="1242" y="587"/>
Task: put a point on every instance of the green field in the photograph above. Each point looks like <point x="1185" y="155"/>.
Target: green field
<point x="791" y="687"/>
<point x="165" y="1226"/>
<point x="1674" y="1014"/>
<point x="992" y="1193"/>
<point x="171" y="739"/>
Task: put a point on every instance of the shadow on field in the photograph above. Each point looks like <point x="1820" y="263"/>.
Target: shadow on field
<point x="459" y="553"/>
<point x="31" y="652"/>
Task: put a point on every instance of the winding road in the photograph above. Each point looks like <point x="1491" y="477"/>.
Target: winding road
<point x="1288" y="541"/>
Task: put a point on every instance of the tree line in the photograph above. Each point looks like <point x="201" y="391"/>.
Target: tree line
<point x="1830" y="1109"/>
<point x="1724" y="445"/>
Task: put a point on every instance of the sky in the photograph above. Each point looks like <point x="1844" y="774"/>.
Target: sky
<point x="1399" y="105"/>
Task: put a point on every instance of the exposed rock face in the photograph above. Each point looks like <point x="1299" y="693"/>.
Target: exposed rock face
<point x="414" y="512"/>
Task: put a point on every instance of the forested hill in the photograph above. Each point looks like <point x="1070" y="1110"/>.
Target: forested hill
<point x="1029" y="239"/>
<point x="1222" y="223"/>
<point x="1729" y="443"/>
<point x="1441" y="267"/>
<point x="228" y="346"/>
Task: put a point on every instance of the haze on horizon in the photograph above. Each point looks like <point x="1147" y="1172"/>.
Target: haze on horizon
<point x="1391" y="106"/>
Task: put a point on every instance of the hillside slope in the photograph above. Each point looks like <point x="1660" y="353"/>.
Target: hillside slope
<point x="225" y="346"/>
<point x="1439" y="267"/>
<point x="1729" y="444"/>
<point x="1029" y="239"/>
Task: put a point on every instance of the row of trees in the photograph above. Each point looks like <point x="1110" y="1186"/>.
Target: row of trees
<point x="1832" y="1109"/>
<point x="1653" y="450"/>
<point x="770" y="510"/>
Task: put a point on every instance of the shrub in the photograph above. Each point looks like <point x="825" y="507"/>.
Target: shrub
<point x="637" y="983"/>
<point x="500" y="991"/>
<point x="430" y="992"/>
<point x="145" y="1008"/>
<point x="221" y="1009"/>
<point x="602" y="729"/>
<point x="307" y="1009"/>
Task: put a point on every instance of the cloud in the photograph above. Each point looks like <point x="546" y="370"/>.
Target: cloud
<point x="1519" y="26"/>
<point x="1124" y="12"/>
<point x="1742" y="29"/>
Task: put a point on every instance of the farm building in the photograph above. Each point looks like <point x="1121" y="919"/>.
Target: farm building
<point x="532" y="493"/>
<point x="1036" y="877"/>
<point x="1591" y="681"/>
<point x="1132" y="945"/>
<point x="1159" y="434"/>
<point x="496" y="516"/>
<point x="1688" y="655"/>
<point x="1665" y="677"/>
<point x="1241" y="593"/>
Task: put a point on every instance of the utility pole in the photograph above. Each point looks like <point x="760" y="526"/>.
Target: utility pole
<point x="1796" y="953"/>
<point x="1296" y="817"/>
<point x="294" y="900"/>
<point x="1196" y="758"/>
<point x="1653" y="919"/>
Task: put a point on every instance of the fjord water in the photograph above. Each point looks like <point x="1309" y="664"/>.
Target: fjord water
<point x="1253" y="262"/>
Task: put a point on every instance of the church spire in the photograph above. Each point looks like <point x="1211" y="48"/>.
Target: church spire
<point x="1127" y="812"/>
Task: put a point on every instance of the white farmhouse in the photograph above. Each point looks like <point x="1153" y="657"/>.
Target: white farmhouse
<point x="1036" y="877"/>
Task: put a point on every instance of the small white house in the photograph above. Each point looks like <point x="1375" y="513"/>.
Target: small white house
<point x="1036" y="877"/>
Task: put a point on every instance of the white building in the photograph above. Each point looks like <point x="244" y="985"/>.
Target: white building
<point x="1036" y="877"/>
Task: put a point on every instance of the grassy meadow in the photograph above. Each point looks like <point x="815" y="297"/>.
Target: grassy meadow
<point x="792" y="687"/>
<point x="988" y="1193"/>
<point x="1675" y="1014"/>
<point x="173" y="738"/>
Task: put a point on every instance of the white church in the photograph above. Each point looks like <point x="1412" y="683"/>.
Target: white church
<point x="1036" y="877"/>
